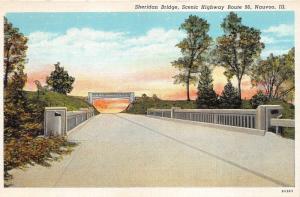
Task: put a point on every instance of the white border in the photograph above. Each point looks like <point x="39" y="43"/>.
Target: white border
<point x="123" y="6"/>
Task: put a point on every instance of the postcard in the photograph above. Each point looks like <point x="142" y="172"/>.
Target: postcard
<point x="149" y="98"/>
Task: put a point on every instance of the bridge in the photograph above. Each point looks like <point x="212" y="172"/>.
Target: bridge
<point x="167" y="148"/>
<point x="108" y="95"/>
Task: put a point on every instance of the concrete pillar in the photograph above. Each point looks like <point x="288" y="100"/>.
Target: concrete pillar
<point x="173" y="111"/>
<point x="90" y="97"/>
<point x="131" y="97"/>
<point x="55" y="121"/>
<point x="264" y="113"/>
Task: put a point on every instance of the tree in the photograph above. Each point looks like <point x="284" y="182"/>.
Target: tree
<point x="39" y="87"/>
<point x="15" y="46"/>
<point x="15" y="101"/>
<point x="258" y="99"/>
<point x="155" y="97"/>
<point x="275" y="75"/>
<point x="193" y="48"/>
<point x="23" y="117"/>
<point x="206" y="96"/>
<point x="238" y="48"/>
<point x="60" y="81"/>
<point x="229" y="98"/>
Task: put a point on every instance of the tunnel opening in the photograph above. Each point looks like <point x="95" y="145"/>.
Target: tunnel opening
<point x="111" y="105"/>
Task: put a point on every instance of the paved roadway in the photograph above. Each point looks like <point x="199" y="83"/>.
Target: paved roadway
<point x="122" y="150"/>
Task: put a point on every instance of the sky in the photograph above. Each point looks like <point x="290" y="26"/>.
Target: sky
<point x="132" y="51"/>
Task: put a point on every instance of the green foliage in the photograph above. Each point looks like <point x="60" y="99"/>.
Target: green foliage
<point x="258" y="99"/>
<point x="54" y="99"/>
<point x="229" y="98"/>
<point x="276" y="76"/>
<point x="15" y="102"/>
<point x="288" y="133"/>
<point x="141" y="104"/>
<point x="15" y="46"/>
<point x="18" y="153"/>
<point x="193" y="48"/>
<point x="60" y="81"/>
<point x="246" y="104"/>
<point x="206" y="96"/>
<point x="238" y="48"/>
<point x="155" y="97"/>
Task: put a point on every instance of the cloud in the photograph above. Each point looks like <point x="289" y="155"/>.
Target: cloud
<point x="107" y="61"/>
<point x="268" y="39"/>
<point x="113" y="61"/>
<point x="281" y="30"/>
<point x="102" y="51"/>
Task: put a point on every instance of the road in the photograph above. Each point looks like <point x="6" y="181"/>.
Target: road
<point x="122" y="150"/>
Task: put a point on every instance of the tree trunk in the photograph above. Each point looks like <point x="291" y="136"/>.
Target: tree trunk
<point x="5" y="78"/>
<point x="7" y="68"/>
<point x="188" y="90"/>
<point x="239" y="88"/>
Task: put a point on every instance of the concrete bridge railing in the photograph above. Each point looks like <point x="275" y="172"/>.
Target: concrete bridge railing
<point x="259" y="118"/>
<point x="280" y="123"/>
<point x="58" y="121"/>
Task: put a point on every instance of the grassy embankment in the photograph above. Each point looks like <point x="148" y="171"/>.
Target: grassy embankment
<point x="142" y="103"/>
<point x="53" y="99"/>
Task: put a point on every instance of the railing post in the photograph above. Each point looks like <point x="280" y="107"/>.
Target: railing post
<point x="173" y="111"/>
<point x="148" y="111"/>
<point x="55" y="121"/>
<point x="215" y="118"/>
<point x="264" y="113"/>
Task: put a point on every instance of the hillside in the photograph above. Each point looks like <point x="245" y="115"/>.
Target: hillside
<point x="53" y="99"/>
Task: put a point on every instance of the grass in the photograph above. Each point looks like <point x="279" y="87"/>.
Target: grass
<point x="53" y="99"/>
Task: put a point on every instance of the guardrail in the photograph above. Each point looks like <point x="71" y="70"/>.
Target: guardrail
<point x="75" y="118"/>
<point x="58" y="121"/>
<point x="259" y="118"/>
<point x="232" y="117"/>
<point x="279" y="123"/>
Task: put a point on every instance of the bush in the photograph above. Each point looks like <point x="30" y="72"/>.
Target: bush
<point x="18" y="153"/>
<point x="141" y="104"/>
<point x="258" y="99"/>
<point x="288" y="133"/>
<point x="230" y="98"/>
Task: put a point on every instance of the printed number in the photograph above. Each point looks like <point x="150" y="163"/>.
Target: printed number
<point x="286" y="191"/>
<point x="248" y="7"/>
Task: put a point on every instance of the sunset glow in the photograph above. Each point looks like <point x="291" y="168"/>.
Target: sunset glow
<point x="110" y="105"/>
